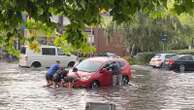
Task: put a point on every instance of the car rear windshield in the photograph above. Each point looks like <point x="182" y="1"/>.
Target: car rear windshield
<point x="23" y="50"/>
<point x="168" y="56"/>
<point x="157" y="56"/>
<point x="89" y="65"/>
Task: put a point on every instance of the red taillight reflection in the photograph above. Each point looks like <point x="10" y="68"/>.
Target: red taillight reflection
<point x="170" y="61"/>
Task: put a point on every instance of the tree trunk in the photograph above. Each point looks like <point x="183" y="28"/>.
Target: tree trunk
<point x="132" y="49"/>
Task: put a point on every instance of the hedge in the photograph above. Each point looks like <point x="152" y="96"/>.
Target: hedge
<point x="144" y="57"/>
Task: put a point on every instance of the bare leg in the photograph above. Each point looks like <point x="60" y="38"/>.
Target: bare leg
<point x="50" y="83"/>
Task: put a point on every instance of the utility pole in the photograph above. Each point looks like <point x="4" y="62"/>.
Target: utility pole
<point x="163" y="39"/>
<point x="60" y="24"/>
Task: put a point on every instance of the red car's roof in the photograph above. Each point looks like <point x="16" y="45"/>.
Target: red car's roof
<point x="103" y="59"/>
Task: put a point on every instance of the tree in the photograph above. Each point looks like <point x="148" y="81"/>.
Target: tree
<point x="81" y="13"/>
<point x="145" y="33"/>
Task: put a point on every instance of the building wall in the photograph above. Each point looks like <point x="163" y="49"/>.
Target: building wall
<point x="115" y="44"/>
<point x="97" y="38"/>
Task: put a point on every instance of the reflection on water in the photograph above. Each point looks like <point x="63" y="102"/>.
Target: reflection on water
<point x="148" y="90"/>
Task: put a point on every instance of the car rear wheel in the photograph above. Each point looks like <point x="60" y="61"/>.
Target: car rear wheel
<point x="161" y="65"/>
<point x="181" y="68"/>
<point x="36" y="65"/>
<point x="95" y="85"/>
<point x="125" y="80"/>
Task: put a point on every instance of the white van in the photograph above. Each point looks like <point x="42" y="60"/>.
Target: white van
<point x="47" y="56"/>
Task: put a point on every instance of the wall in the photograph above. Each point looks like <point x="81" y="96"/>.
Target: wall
<point x="115" y="44"/>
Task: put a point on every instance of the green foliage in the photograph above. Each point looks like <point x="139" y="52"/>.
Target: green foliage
<point x="143" y="57"/>
<point x="144" y="33"/>
<point x="184" y="51"/>
<point x="80" y="13"/>
<point x="38" y="26"/>
<point x="62" y="42"/>
<point x="130" y="60"/>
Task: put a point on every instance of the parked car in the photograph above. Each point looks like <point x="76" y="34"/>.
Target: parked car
<point x="93" y="72"/>
<point x="47" y="56"/>
<point x="158" y="59"/>
<point x="180" y="63"/>
<point x="107" y="54"/>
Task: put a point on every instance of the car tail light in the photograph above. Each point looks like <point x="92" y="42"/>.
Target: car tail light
<point x="170" y="61"/>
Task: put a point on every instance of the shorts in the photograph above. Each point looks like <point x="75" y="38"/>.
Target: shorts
<point x="57" y="78"/>
<point x="48" y="77"/>
<point x="69" y="79"/>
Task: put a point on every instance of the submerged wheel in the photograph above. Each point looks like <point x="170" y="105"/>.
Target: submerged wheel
<point x="36" y="65"/>
<point x="125" y="80"/>
<point x="181" y="68"/>
<point x="95" y="85"/>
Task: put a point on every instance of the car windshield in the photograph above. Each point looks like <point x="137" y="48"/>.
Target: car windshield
<point x="89" y="65"/>
<point x="169" y="56"/>
<point x="157" y="56"/>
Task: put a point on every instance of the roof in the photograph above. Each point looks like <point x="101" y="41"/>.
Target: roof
<point x="184" y="55"/>
<point x="103" y="59"/>
<point x="43" y="46"/>
<point x="166" y="53"/>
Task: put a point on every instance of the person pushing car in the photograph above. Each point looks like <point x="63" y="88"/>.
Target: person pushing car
<point x="51" y="72"/>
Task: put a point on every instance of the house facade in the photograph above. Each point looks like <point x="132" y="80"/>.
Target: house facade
<point x="113" y="44"/>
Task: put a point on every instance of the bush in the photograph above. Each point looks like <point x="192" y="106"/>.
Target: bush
<point x="186" y="51"/>
<point x="130" y="59"/>
<point x="143" y="57"/>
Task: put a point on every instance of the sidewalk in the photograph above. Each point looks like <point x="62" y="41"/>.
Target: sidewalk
<point x="8" y="67"/>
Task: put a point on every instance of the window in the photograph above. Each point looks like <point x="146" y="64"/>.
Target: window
<point x="89" y="66"/>
<point x="60" y="52"/>
<point x="187" y="58"/>
<point x="157" y="56"/>
<point x="23" y="50"/>
<point x="48" y="51"/>
<point x="169" y="56"/>
<point x="107" y="65"/>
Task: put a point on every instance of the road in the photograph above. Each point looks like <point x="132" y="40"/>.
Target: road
<point x="149" y="89"/>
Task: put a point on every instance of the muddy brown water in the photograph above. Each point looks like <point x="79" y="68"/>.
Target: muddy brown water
<point x="149" y="89"/>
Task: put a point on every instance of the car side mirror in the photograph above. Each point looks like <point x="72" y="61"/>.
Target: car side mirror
<point x="75" y="69"/>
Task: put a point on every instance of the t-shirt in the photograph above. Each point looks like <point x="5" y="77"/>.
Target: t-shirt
<point x="53" y="69"/>
<point x="115" y="68"/>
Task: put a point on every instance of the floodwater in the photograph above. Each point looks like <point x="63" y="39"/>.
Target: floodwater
<point x="149" y="89"/>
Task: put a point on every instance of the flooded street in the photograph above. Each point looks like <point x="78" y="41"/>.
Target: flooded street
<point x="149" y="89"/>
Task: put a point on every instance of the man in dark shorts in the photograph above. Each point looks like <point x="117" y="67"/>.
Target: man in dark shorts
<point x="59" y="76"/>
<point x="116" y="74"/>
<point x="51" y="72"/>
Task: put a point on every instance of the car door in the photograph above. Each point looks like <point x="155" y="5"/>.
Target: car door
<point x="48" y="56"/>
<point x="192" y="64"/>
<point x="187" y="61"/>
<point x="106" y="75"/>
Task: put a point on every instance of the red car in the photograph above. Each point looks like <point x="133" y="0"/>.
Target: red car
<point x="93" y="72"/>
